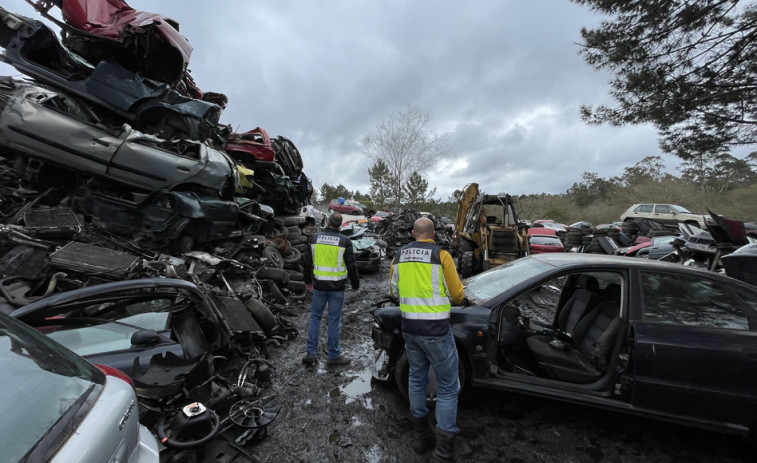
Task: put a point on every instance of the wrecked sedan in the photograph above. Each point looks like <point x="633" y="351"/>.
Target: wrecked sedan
<point x="39" y="124"/>
<point x="132" y="325"/>
<point x="644" y="337"/>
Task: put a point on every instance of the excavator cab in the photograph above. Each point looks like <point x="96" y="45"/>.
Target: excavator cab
<point x="487" y="231"/>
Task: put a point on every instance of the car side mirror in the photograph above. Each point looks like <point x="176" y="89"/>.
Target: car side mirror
<point x="145" y="338"/>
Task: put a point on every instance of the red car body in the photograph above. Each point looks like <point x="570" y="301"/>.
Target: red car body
<point x="544" y="231"/>
<point x="349" y="207"/>
<point x="149" y="42"/>
<point x="252" y="148"/>
<point x="545" y="243"/>
<point x="379" y="216"/>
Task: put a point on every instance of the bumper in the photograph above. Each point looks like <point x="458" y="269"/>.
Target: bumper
<point x="370" y="265"/>
<point x="382" y="341"/>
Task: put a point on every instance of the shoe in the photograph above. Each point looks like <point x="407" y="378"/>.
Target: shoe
<point x="445" y="447"/>
<point x="310" y="359"/>
<point x="339" y="361"/>
<point x="424" y="436"/>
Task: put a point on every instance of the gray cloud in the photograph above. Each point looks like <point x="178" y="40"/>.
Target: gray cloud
<point x="503" y="80"/>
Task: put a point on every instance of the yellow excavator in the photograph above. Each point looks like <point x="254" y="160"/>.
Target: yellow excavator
<point x="487" y="231"/>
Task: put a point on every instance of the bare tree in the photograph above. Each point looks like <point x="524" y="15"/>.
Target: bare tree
<point x="406" y="145"/>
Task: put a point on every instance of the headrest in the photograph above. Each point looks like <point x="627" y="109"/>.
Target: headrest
<point x="588" y="282"/>
<point x="612" y="292"/>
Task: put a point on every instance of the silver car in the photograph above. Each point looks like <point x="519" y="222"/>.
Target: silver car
<point x="51" y="126"/>
<point x="58" y="407"/>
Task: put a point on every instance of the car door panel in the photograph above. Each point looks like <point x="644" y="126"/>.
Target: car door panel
<point x="35" y="130"/>
<point x="676" y="366"/>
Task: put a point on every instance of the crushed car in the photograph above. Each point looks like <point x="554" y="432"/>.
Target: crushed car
<point x="151" y="106"/>
<point x="631" y="335"/>
<point x="149" y="43"/>
<point x="40" y="124"/>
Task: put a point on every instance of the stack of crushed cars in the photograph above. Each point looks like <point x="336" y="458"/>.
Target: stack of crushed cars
<point x="141" y="233"/>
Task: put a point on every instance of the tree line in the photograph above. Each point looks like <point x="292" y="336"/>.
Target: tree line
<point x="723" y="184"/>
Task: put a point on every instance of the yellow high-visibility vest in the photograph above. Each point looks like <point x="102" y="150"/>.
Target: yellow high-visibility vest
<point x="420" y="281"/>
<point x="328" y="258"/>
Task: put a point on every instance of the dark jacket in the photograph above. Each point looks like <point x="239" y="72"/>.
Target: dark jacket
<point x="349" y="262"/>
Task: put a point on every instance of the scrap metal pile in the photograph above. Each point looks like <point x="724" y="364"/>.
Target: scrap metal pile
<point x="726" y="245"/>
<point x="396" y="231"/>
<point x="138" y="231"/>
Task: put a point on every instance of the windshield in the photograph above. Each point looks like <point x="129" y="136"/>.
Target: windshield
<point x="680" y="209"/>
<point x="494" y="282"/>
<point x="108" y="337"/>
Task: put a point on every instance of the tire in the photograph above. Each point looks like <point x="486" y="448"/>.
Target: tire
<point x="275" y="292"/>
<point x="294" y="229"/>
<point x="278" y="222"/>
<point x="291" y="220"/>
<point x="301" y="247"/>
<point x="295" y="275"/>
<point x="294" y="237"/>
<point x="310" y="230"/>
<point x="465" y="258"/>
<point x="402" y="374"/>
<point x="270" y="253"/>
<point x="184" y="244"/>
<point x="297" y="287"/>
<point x="301" y="240"/>
<point x="262" y="314"/>
<point x="275" y="274"/>
<point x="292" y="256"/>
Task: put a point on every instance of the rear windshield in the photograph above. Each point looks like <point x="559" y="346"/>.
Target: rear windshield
<point x="545" y="240"/>
<point x="42" y="385"/>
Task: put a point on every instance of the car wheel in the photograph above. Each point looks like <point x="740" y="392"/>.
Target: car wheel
<point x="272" y="254"/>
<point x="402" y="374"/>
<point x="310" y="230"/>
<point x="262" y="314"/>
<point x="292" y="256"/>
<point x="184" y="244"/>
<point x="274" y="273"/>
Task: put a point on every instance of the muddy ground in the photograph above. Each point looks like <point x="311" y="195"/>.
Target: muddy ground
<point x="341" y="414"/>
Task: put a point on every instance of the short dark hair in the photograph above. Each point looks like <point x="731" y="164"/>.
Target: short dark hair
<point x="335" y="221"/>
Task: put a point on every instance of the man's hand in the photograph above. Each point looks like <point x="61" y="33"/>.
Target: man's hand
<point x="466" y="302"/>
<point x="309" y="287"/>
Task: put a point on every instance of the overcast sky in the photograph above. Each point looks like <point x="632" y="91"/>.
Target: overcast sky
<point x="502" y="79"/>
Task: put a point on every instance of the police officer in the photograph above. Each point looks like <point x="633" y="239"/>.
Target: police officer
<point x="329" y="261"/>
<point x="424" y="277"/>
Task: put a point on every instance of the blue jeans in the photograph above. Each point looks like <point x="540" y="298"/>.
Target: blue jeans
<point x="335" y="301"/>
<point x="438" y="352"/>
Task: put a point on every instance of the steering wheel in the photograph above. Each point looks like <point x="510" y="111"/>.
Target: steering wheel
<point x="187" y="424"/>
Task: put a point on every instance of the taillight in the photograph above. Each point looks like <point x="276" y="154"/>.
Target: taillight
<point x="116" y="373"/>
